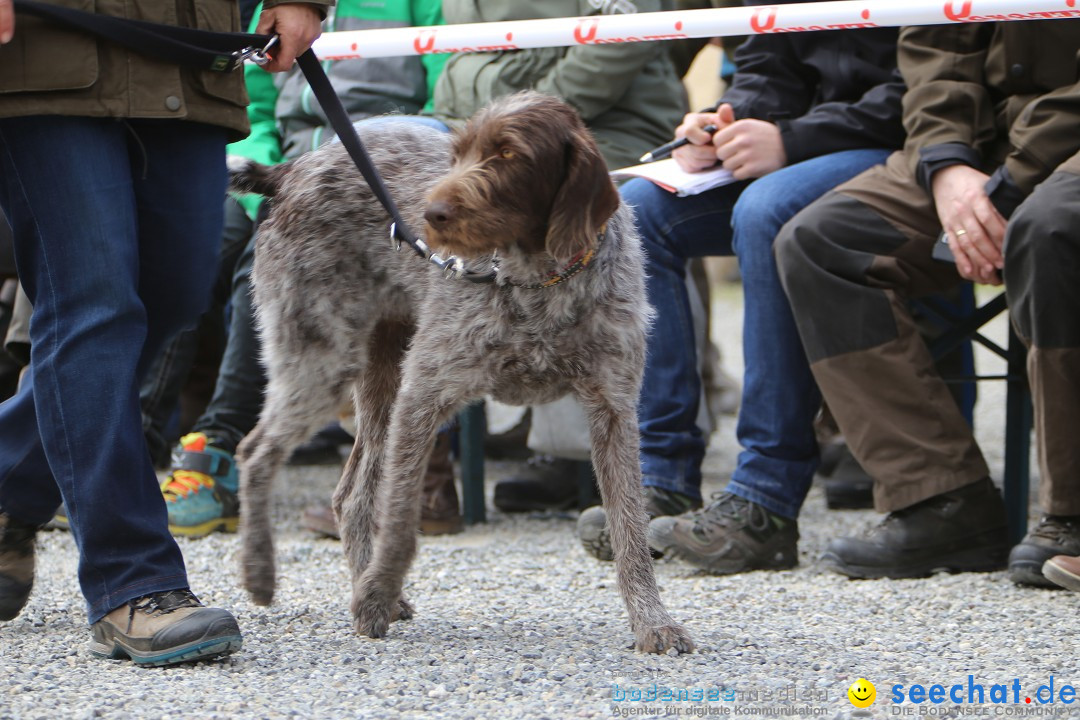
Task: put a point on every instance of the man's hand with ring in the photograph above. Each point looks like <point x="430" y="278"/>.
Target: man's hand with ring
<point x="976" y="230"/>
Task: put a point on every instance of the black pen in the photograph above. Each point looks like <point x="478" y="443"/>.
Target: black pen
<point x="665" y="150"/>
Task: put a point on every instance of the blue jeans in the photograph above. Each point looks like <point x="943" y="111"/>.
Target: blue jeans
<point x="110" y="218"/>
<point x="780" y="398"/>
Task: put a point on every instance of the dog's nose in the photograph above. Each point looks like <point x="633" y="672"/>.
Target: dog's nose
<point x="439" y="214"/>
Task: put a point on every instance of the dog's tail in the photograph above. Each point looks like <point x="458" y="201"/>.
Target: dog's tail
<point x="248" y="176"/>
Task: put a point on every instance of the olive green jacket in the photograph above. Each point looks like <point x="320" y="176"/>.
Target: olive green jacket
<point x="628" y="94"/>
<point x="1001" y="97"/>
<point x="47" y="70"/>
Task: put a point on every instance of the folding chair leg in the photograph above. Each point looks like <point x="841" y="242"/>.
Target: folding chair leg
<point x="1018" y="420"/>
<point x="471" y="437"/>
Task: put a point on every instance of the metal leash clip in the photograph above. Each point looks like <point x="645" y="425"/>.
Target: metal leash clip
<point x="254" y="54"/>
<point x="395" y="241"/>
<point x="452" y="267"/>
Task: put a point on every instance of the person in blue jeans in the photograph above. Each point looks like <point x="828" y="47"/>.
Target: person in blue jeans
<point x="112" y="171"/>
<point x="804" y="113"/>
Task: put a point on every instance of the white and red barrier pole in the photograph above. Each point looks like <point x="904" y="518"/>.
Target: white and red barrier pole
<point x="719" y="22"/>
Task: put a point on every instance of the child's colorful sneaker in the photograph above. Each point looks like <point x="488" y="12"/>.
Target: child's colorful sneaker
<point x="201" y="490"/>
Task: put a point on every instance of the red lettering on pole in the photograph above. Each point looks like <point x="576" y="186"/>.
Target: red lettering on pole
<point x="585" y="32"/>
<point x="424" y="42"/>
<point x="760" y="26"/>
<point x="965" y="11"/>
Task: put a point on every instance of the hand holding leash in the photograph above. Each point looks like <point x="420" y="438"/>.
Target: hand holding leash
<point x="297" y="24"/>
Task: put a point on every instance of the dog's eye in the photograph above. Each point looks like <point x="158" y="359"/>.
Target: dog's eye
<point x="507" y="154"/>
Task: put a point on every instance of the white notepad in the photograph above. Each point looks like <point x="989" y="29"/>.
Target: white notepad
<point x="668" y="175"/>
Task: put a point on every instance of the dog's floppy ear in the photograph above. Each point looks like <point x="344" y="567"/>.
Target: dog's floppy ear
<point x="585" y="201"/>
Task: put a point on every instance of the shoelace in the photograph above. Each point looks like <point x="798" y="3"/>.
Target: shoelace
<point x="1058" y="529"/>
<point x="164" y="602"/>
<point x="726" y="507"/>
<point x="182" y="483"/>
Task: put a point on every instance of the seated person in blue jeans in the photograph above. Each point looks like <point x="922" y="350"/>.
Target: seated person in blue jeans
<point x="804" y="113"/>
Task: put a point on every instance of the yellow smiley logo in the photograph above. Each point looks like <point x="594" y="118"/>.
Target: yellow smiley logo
<point x="862" y="693"/>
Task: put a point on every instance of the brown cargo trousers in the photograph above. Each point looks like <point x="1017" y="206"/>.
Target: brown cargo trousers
<point x="849" y="263"/>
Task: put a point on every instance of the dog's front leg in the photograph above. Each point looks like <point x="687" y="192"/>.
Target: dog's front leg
<point x="616" y="458"/>
<point x="377" y="592"/>
<point x="356" y="496"/>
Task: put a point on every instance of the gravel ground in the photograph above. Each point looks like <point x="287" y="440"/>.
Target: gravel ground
<point x="514" y="620"/>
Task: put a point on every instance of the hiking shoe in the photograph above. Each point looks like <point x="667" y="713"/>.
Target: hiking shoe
<point x="963" y="530"/>
<point x="165" y="628"/>
<point x="592" y="524"/>
<point x="201" y="491"/>
<point x="16" y="565"/>
<point x="1063" y="571"/>
<point x="731" y="535"/>
<point x="60" y="520"/>
<point x="440" y="511"/>
<point x="546" y="483"/>
<point x="1054" y="535"/>
<point x="320" y="519"/>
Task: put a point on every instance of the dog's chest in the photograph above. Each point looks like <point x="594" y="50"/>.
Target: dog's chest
<point x="533" y="363"/>
<point x="529" y="375"/>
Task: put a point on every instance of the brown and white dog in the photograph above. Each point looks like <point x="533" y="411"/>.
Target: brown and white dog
<point x="340" y="312"/>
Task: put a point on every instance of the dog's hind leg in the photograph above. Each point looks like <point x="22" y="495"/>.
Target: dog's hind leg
<point x="615" y="453"/>
<point x="293" y="410"/>
<point x="356" y="494"/>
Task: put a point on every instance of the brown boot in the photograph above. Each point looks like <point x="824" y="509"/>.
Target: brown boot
<point x="164" y="628"/>
<point x="440" y="513"/>
<point x="320" y="519"/>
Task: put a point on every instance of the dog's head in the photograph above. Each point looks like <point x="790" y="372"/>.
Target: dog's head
<point x="525" y="171"/>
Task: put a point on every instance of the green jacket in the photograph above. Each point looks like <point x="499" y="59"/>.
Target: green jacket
<point x="628" y="94"/>
<point x="46" y="70"/>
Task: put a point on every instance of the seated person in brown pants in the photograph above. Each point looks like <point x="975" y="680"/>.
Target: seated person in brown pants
<point x="993" y="158"/>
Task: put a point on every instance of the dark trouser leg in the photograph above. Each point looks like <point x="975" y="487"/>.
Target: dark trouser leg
<point x="848" y="272"/>
<point x="237" y="400"/>
<point x="1042" y="279"/>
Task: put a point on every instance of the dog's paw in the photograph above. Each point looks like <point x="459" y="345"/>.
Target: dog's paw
<point x="405" y="610"/>
<point x="372" y="613"/>
<point x="663" y="638"/>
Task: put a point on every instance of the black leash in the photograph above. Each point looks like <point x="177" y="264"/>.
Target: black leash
<point x="399" y="229"/>
<point x="225" y="52"/>
<point x="200" y="49"/>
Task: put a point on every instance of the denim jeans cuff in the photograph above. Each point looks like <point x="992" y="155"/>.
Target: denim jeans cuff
<point x="785" y="508"/>
<point x="99" y="608"/>
<point x="689" y="486"/>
